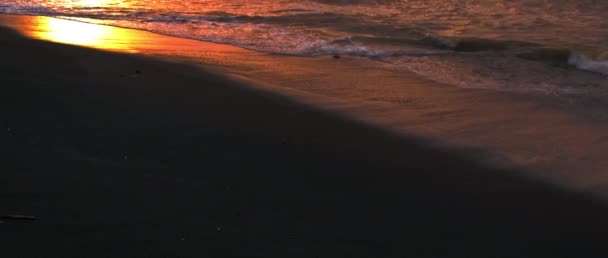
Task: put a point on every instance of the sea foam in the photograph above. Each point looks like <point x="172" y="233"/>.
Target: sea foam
<point x="584" y="62"/>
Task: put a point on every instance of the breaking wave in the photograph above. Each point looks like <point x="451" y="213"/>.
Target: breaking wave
<point x="306" y="33"/>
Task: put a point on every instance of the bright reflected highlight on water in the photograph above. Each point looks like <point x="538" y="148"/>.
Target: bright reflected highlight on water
<point x="99" y="3"/>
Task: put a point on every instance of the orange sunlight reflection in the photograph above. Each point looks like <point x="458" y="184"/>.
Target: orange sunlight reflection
<point x="111" y="38"/>
<point x="82" y="34"/>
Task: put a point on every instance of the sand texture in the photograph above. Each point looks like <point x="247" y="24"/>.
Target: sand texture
<point x="120" y="155"/>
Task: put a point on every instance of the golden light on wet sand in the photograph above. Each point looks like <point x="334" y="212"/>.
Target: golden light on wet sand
<point x="73" y="32"/>
<point x="110" y="38"/>
<point x="82" y="34"/>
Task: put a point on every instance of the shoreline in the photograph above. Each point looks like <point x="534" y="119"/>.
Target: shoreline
<point x="540" y="135"/>
<point x="126" y="155"/>
<point x="584" y="61"/>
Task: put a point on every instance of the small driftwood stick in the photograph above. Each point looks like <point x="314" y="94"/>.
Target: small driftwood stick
<point x="17" y="217"/>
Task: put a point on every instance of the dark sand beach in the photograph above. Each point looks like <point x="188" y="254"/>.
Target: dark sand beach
<point x="120" y="155"/>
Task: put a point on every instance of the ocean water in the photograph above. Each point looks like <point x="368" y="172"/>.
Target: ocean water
<point x="557" y="47"/>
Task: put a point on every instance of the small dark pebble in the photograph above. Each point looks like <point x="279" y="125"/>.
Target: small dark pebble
<point x="137" y="71"/>
<point x="238" y="213"/>
<point x="336" y="56"/>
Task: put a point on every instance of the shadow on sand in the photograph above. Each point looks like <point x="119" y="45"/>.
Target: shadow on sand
<point x="121" y="155"/>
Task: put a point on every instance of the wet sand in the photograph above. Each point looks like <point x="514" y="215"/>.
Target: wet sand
<point x="124" y="155"/>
